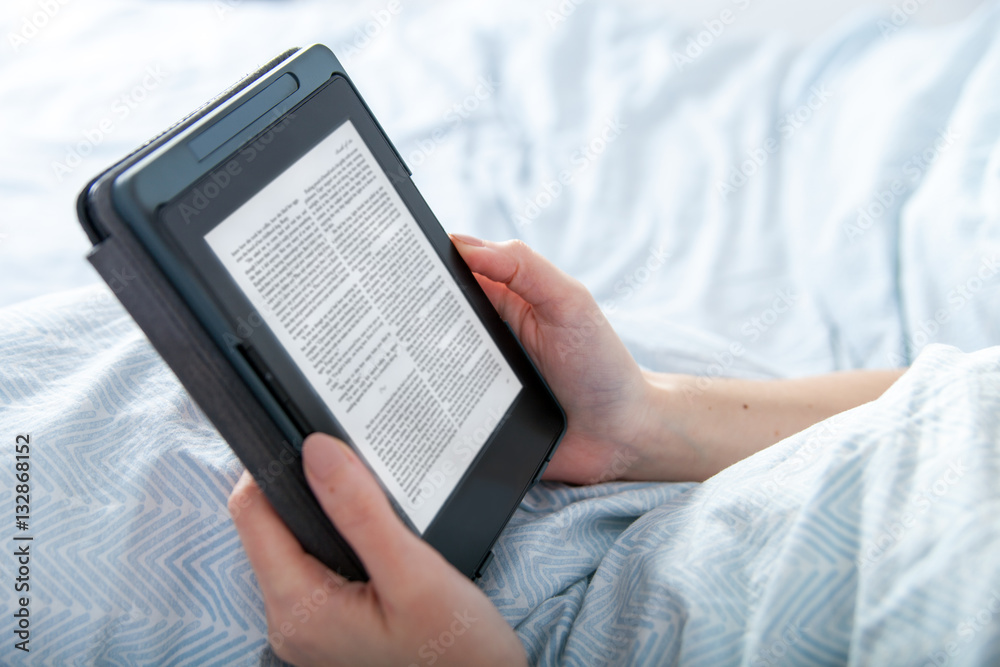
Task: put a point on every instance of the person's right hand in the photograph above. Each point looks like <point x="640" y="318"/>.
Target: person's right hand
<point x="585" y="363"/>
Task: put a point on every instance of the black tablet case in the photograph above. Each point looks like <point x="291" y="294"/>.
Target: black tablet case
<point x="178" y="336"/>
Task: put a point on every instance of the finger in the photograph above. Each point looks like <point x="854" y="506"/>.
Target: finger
<point x="511" y="308"/>
<point x="359" y="509"/>
<point x="524" y="271"/>
<point x="275" y="555"/>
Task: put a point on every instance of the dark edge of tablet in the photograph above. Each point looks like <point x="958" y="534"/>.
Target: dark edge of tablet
<point x="480" y="569"/>
<point x="90" y="226"/>
<point x="338" y="555"/>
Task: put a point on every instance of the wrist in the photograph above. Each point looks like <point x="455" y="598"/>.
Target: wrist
<point x="668" y="440"/>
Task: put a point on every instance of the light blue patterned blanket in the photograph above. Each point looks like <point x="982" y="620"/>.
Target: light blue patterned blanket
<point x="871" y="537"/>
<point x="870" y="232"/>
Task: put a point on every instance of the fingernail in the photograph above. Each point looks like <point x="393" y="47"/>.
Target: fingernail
<point x="468" y="240"/>
<point x="322" y="455"/>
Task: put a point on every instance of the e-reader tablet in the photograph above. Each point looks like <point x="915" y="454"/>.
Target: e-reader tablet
<point x="280" y="231"/>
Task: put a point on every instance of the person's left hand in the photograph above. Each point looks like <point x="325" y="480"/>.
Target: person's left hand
<point x="416" y="609"/>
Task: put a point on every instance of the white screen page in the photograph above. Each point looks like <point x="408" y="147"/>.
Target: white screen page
<point x="339" y="269"/>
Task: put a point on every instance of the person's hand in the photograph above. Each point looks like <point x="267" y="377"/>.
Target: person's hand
<point x="585" y="363"/>
<point x="416" y="609"/>
<point x="625" y="423"/>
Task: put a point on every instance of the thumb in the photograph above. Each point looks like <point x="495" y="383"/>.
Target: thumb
<point x="526" y="273"/>
<point x="360" y="511"/>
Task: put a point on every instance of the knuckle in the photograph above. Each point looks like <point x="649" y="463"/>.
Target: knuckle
<point x="519" y="247"/>
<point x="237" y="501"/>
<point x="242" y="494"/>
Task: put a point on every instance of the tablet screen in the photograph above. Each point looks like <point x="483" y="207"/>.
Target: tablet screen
<point x="335" y="263"/>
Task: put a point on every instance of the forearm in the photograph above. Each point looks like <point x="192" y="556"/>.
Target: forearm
<point x="696" y="427"/>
